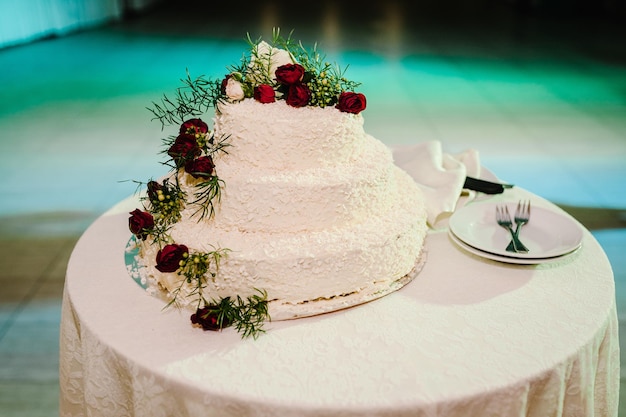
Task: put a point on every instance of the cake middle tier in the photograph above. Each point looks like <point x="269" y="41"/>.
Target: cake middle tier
<point x="256" y="199"/>
<point x="308" y="273"/>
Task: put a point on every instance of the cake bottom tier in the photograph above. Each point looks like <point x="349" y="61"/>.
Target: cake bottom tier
<point x="307" y="273"/>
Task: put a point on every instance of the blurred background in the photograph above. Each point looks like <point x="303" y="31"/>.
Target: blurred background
<point x="537" y="87"/>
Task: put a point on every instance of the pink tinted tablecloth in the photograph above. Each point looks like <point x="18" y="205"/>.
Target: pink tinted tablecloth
<point x="468" y="337"/>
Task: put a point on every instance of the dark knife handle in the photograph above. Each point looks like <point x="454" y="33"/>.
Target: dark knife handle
<point x="483" y="186"/>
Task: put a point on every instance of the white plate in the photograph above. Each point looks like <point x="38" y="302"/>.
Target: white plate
<point x="548" y="234"/>
<point x="506" y="259"/>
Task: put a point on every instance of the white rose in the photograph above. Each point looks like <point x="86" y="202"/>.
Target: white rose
<point x="264" y="61"/>
<point x="234" y="90"/>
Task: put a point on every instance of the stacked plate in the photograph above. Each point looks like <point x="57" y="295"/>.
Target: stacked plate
<point x="549" y="235"/>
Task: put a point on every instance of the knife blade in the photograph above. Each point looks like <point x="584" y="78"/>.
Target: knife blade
<point x="484" y="186"/>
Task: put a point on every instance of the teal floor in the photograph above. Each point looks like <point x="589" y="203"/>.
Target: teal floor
<point x="541" y="97"/>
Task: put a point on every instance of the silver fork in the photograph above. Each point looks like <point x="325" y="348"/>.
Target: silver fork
<point x="522" y="216"/>
<point x="504" y="219"/>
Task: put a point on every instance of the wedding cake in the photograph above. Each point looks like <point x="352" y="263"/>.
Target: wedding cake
<point x="286" y="207"/>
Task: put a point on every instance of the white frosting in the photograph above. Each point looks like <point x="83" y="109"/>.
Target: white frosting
<point x="278" y="137"/>
<point x="310" y="199"/>
<point x="313" y="210"/>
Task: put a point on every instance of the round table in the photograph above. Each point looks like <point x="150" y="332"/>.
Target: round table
<point x="468" y="337"/>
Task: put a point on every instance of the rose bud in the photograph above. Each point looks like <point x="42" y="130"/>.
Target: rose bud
<point x="194" y="127"/>
<point x="153" y="190"/>
<point x="200" y="167"/>
<point x="225" y="83"/>
<point x="185" y="147"/>
<point x="208" y="318"/>
<point x="350" y="102"/>
<point x="140" y="223"/>
<point x="289" y="74"/>
<point x="264" y="93"/>
<point x="169" y="258"/>
<point x="298" y="95"/>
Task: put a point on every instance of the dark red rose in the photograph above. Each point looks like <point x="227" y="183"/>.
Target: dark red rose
<point x="208" y="318"/>
<point x="194" y="127"/>
<point x="298" y="95"/>
<point x="350" y="102"/>
<point x="200" y="167"/>
<point x="184" y="148"/>
<point x="264" y="93"/>
<point x="153" y="190"/>
<point x="168" y="259"/>
<point x="140" y="223"/>
<point x="289" y="74"/>
<point x="225" y="83"/>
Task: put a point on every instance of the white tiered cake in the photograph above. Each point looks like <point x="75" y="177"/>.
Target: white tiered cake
<point x="306" y="212"/>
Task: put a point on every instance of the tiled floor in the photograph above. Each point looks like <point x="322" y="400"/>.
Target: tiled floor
<point x="541" y="97"/>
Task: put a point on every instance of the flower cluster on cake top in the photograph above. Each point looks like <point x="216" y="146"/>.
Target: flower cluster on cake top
<point x="286" y="71"/>
<point x="282" y="70"/>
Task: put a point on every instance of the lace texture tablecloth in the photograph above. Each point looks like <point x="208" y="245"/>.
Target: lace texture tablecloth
<point x="468" y="337"/>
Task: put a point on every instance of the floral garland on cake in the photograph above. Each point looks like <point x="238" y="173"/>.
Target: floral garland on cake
<point x="284" y="70"/>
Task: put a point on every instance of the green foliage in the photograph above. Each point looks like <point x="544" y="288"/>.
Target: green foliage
<point x="194" y="98"/>
<point x="247" y="316"/>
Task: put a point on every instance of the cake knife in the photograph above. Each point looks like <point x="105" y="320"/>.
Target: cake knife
<point x="484" y="186"/>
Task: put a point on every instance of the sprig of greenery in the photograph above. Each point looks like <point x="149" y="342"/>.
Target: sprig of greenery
<point x="326" y="81"/>
<point x="247" y="316"/>
<point x="194" y="98"/>
<point x="210" y="190"/>
<point x="209" y="194"/>
<point x="257" y="66"/>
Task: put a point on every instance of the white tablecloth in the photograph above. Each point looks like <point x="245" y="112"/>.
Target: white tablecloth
<point x="468" y="337"/>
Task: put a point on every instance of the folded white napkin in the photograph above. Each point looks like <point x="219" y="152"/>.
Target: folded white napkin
<point x="440" y="175"/>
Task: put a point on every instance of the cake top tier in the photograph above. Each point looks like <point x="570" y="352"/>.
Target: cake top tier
<point x="281" y="69"/>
